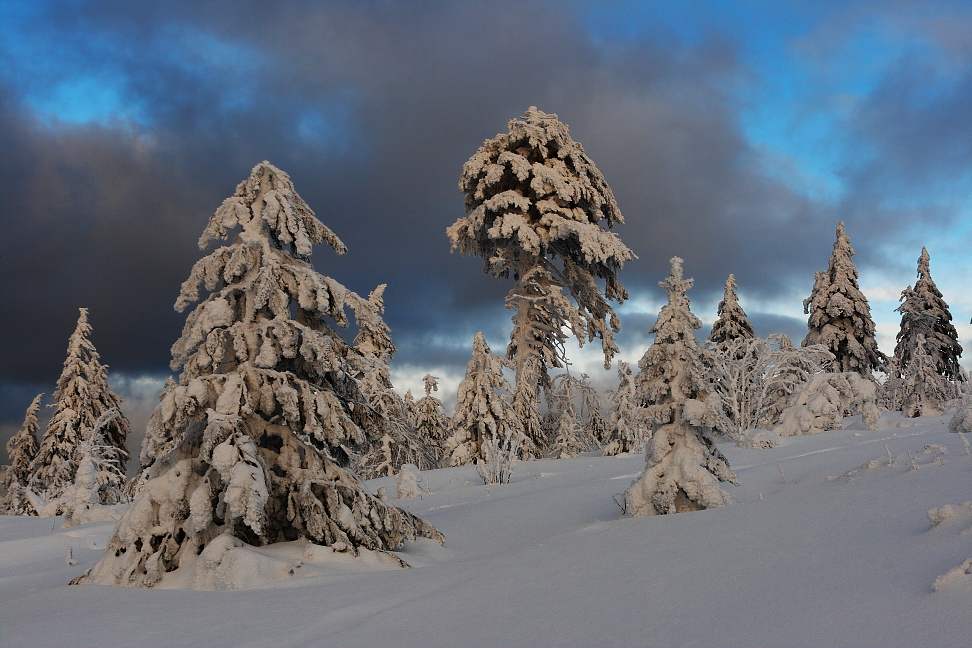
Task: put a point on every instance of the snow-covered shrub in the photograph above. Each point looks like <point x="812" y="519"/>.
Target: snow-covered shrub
<point x="407" y="482"/>
<point x="821" y="404"/>
<point x="534" y="203"/>
<point x="265" y="411"/>
<point x="757" y="440"/>
<point x="840" y="317"/>
<point x="962" y="420"/>
<point x="501" y="456"/>
<point x="755" y="377"/>
<point x="683" y="467"/>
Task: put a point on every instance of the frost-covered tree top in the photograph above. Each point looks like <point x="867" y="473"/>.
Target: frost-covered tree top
<point x="22" y="447"/>
<point x="840" y="317"/>
<point x="248" y="445"/>
<point x="925" y="314"/>
<point x="532" y="196"/>
<point x="81" y="398"/>
<point x="732" y="322"/>
<point x="535" y="206"/>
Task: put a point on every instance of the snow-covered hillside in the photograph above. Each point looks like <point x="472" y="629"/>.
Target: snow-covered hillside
<point x="825" y="544"/>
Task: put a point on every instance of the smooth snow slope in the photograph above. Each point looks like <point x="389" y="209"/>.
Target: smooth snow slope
<point x="548" y="561"/>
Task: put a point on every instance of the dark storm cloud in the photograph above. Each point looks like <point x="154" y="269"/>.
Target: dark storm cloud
<point x="372" y="108"/>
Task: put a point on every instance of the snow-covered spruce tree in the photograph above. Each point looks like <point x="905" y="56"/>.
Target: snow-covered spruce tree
<point x="99" y="479"/>
<point x="626" y="430"/>
<point x="81" y="398"/>
<point x="534" y="204"/>
<point x="483" y="409"/>
<point x="925" y="313"/>
<point x="683" y="466"/>
<point x="568" y="436"/>
<point x="924" y="391"/>
<point x="592" y="418"/>
<point x="732" y="322"/>
<point x="840" y="317"/>
<point x="430" y="422"/>
<point x="21" y="450"/>
<point x="401" y="442"/>
<point x="265" y="411"/>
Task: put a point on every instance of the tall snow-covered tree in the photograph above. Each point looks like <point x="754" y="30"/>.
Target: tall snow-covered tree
<point x="569" y="436"/>
<point x="925" y="313"/>
<point x="266" y="409"/>
<point x="534" y="204"/>
<point x="22" y="447"/>
<point x="401" y="442"/>
<point x="626" y="432"/>
<point x="840" y="317"/>
<point x="483" y="409"/>
<point x="81" y="398"/>
<point x="683" y="466"/>
<point x="430" y="422"/>
<point x="591" y="416"/>
<point x="732" y="322"/>
<point x="21" y="450"/>
<point x="923" y="389"/>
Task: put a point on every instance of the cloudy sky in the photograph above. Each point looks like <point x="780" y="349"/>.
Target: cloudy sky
<point x="734" y="134"/>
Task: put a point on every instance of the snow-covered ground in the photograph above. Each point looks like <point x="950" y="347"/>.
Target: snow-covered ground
<point x="826" y="544"/>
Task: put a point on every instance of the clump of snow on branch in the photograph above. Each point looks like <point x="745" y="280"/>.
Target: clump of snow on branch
<point x="250" y="447"/>
<point x="483" y="409"/>
<point x="825" y="400"/>
<point x="683" y="466"/>
<point x="534" y="204"/>
<point x="840" y="317"/>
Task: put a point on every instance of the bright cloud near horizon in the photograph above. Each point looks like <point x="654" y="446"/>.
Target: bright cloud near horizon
<point x="734" y="134"/>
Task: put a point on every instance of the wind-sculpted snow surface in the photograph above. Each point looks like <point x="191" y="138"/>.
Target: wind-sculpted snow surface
<point x="545" y="560"/>
<point x="247" y="447"/>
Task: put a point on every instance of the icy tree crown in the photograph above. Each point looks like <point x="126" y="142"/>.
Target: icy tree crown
<point x="732" y="322"/>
